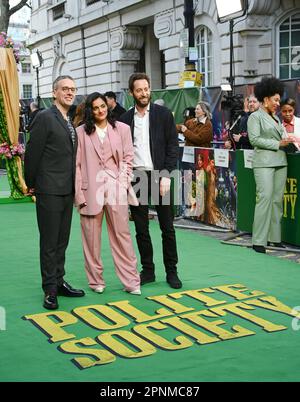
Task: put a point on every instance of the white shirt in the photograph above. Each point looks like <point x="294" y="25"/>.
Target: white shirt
<point x="142" y="155"/>
<point x="202" y="119"/>
<point x="101" y="133"/>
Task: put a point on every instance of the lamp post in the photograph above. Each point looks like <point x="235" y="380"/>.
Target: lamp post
<point x="37" y="62"/>
<point x="189" y="14"/>
<point x="229" y="11"/>
<point x="189" y="77"/>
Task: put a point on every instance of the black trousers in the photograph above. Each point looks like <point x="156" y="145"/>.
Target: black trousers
<point x="54" y="217"/>
<point x="165" y="217"/>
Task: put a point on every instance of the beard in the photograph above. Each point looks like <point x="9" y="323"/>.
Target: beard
<point x="142" y="102"/>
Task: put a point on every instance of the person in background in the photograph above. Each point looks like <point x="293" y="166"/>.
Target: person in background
<point x="115" y="108"/>
<point x="50" y="175"/>
<point x="198" y="132"/>
<point x="160" y="102"/>
<point x="103" y="175"/>
<point x="72" y="112"/>
<point x="156" y="150"/>
<point x="290" y="122"/>
<point x="34" y="109"/>
<point x="269" y="164"/>
<point x="240" y="139"/>
<point x="79" y="115"/>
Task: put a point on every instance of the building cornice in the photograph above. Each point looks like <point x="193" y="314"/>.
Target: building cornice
<point x="263" y="7"/>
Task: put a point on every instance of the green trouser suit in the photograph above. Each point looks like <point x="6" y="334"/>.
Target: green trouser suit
<point x="270" y="170"/>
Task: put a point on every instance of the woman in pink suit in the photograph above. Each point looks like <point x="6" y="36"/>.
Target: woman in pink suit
<point x="102" y="186"/>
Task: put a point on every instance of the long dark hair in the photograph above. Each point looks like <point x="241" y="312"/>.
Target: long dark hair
<point x="89" y="121"/>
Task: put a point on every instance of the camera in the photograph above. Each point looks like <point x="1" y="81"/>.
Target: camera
<point x="234" y="104"/>
<point x="189" y="113"/>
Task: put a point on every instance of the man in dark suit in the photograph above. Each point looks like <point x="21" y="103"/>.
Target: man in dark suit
<point x="115" y="108"/>
<point x="34" y="110"/>
<point x="49" y="174"/>
<point x="156" y="154"/>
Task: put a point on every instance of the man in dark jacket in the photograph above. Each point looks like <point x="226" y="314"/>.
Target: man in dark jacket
<point x="34" y="110"/>
<point x="155" y="157"/>
<point x="240" y="140"/>
<point x="49" y="174"/>
<point x="115" y="108"/>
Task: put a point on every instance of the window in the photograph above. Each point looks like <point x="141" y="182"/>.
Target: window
<point x="89" y="2"/>
<point x="205" y="55"/>
<point x="58" y="12"/>
<point x="289" y="48"/>
<point x="26" y="68"/>
<point x="27" y="91"/>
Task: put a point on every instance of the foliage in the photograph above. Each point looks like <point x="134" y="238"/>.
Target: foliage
<point x="7" y="42"/>
<point x="9" y="151"/>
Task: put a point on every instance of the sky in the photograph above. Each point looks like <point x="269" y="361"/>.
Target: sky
<point x="22" y="15"/>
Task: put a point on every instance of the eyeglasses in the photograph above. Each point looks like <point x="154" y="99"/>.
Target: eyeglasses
<point x="67" y="89"/>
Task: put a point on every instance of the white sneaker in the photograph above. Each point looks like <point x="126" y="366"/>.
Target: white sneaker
<point x="136" y="291"/>
<point x="99" y="289"/>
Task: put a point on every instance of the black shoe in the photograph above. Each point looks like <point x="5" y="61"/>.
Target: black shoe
<point x="50" y="302"/>
<point x="173" y="280"/>
<point x="147" y="277"/>
<point x="272" y="244"/>
<point x="259" y="249"/>
<point x="66" y="290"/>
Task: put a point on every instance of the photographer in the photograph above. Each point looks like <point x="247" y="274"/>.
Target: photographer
<point x="238" y="136"/>
<point x="241" y="139"/>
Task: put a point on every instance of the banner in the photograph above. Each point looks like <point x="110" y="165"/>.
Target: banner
<point x="209" y="191"/>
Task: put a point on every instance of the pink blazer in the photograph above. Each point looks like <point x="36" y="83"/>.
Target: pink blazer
<point x="88" y="167"/>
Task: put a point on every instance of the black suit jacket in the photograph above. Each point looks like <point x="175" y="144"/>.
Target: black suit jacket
<point x="50" y="155"/>
<point x="118" y="111"/>
<point x="163" y="136"/>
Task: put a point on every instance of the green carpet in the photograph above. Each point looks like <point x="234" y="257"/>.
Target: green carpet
<point x="127" y="350"/>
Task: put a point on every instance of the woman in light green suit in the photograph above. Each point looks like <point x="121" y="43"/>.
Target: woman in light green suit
<point x="269" y="164"/>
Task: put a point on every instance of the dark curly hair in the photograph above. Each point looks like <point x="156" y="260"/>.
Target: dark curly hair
<point x="288" y="101"/>
<point x="89" y="121"/>
<point x="268" y="87"/>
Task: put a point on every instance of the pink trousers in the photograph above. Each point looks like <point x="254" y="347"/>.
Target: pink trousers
<point x="124" y="257"/>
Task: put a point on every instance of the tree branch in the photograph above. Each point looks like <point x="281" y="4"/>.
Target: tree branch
<point x="17" y="7"/>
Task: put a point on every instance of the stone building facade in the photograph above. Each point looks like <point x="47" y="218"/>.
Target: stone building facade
<point x="100" y="43"/>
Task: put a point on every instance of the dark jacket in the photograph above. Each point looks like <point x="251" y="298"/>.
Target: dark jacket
<point x="50" y="155"/>
<point x="31" y="118"/>
<point x="244" y="142"/>
<point x="163" y="138"/>
<point x="118" y="111"/>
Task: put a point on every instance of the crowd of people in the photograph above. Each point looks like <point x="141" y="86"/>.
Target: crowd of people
<point x="108" y="160"/>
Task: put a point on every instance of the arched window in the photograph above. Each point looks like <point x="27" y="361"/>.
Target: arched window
<point x="289" y="48"/>
<point x="205" y="55"/>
